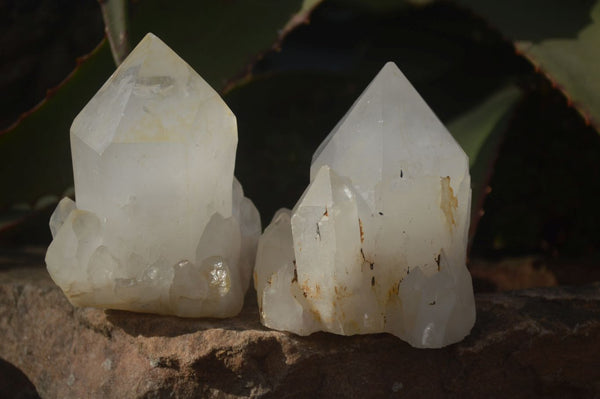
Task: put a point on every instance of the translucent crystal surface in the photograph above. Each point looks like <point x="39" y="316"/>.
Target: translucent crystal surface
<point x="377" y="242"/>
<point x="161" y="224"/>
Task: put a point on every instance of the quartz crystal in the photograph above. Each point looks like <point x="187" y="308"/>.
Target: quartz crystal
<point x="377" y="242"/>
<point x="160" y="225"/>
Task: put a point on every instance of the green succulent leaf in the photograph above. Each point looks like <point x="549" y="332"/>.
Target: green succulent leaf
<point x="35" y="159"/>
<point x="479" y="132"/>
<point x="560" y="38"/>
<point x="219" y="39"/>
<point x="114" y="14"/>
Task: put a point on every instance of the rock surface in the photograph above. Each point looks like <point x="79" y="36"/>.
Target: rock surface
<point x="531" y="343"/>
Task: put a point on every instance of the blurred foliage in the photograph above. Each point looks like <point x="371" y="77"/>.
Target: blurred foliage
<point x="546" y="185"/>
<point x="303" y="96"/>
<point x="561" y="38"/>
<point x="116" y="22"/>
<point x="484" y="72"/>
<point x="39" y="43"/>
<point x="215" y="37"/>
<point x="479" y="132"/>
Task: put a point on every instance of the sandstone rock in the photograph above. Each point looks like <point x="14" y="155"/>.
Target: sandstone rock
<point x="514" y="273"/>
<point x="530" y="343"/>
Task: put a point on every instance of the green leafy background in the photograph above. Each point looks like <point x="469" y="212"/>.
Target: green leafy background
<point x="481" y="65"/>
<point x="561" y="38"/>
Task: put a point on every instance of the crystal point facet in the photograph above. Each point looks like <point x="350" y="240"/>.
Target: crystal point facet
<point x="377" y="242"/>
<point x="160" y="223"/>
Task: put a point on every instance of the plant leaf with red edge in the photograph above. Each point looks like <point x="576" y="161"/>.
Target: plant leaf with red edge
<point x="219" y="39"/>
<point x="560" y="38"/>
<point x="35" y="158"/>
<point x="479" y="132"/>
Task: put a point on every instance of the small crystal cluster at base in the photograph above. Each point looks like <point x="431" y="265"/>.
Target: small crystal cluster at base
<point x="377" y="242"/>
<point x="160" y="225"/>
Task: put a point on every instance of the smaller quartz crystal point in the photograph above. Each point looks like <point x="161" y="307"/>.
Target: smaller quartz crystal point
<point x="377" y="242"/>
<point x="161" y="225"/>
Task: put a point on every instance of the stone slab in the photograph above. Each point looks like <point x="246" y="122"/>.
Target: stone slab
<point x="530" y="343"/>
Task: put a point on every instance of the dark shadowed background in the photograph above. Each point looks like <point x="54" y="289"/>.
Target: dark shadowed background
<point x="543" y="189"/>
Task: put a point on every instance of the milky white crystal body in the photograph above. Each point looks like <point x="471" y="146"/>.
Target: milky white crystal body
<point x="377" y="242"/>
<point x="161" y="225"/>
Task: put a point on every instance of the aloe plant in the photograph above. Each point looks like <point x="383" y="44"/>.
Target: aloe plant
<point x="474" y="68"/>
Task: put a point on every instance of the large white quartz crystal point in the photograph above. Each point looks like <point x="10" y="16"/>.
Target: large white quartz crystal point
<point x="161" y="225"/>
<point x="377" y="242"/>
